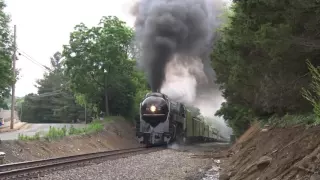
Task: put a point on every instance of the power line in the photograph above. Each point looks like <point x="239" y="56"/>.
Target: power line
<point x="24" y="54"/>
<point x="28" y="56"/>
<point x="46" y="94"/>
<point x="34" y="62"/>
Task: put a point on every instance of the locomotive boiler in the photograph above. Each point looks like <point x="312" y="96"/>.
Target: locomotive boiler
<point x="160" y="119"/>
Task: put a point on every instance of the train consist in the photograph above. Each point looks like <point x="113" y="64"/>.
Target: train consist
<point x="163" y="121"/>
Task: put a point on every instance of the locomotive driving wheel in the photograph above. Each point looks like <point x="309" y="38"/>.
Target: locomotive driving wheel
<point x="180" y="135"/>
<point x="174" y="132"/>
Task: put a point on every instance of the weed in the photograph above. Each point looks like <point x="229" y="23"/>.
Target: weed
<point x="58" y="133"/>
<point x="75" y="131"/>
<point x="313" y="93"/>
<point x="291" y="120"/>
<point x="55" y="133"/>
<point x="29" y="138"/>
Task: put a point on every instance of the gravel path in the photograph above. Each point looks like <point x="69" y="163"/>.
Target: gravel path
<point x="161" y="165"/>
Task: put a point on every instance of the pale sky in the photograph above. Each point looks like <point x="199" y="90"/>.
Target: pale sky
<point x="43" y="26"/>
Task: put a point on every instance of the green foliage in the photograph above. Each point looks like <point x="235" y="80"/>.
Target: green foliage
<point x="5" y="55"/>
<point x="142" y="89"/>
<point x="4" y="105"/>
<point x="237" y="117"/>
<point x="58" y="133"/>
<point x="94" y="127"/>
<point x="54" y="102"/>
<point x="100" y="68"/>
<point x="76" y="131"/>
<point x="292" y="119"/>
<point x="94" y="67"/>
<point x="29" y="138"/>
<point x="314" y="95"/>
<point x="259" y="59"/>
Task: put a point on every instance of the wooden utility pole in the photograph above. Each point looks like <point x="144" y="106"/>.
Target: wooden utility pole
<point x="21" y="111"/>
<point x="14" y="76"/>
<point x="106" y="92"/>
<point x="85" y="112"/>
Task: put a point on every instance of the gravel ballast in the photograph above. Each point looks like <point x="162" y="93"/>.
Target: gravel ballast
<point x="160" y="165"/>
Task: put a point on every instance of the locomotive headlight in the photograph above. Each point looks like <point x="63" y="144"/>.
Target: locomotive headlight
<point x="153" y="108"/>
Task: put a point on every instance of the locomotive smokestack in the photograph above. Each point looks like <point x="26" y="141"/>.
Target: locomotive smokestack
<point x="164" y="28"/>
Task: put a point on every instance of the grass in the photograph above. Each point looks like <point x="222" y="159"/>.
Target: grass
<point x="113" y="118"/>
<point x="29" y="138"/>
<point x="292" y="120"/>
<point x="58" y="133"/>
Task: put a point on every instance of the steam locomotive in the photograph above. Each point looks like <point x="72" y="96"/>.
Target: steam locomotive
<point x="163" y="121"/>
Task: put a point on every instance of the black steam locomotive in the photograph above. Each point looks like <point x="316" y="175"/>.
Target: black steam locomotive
<point x="161" y="120"/>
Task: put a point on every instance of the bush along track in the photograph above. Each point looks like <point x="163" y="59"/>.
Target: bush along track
<point x="58" y="133"/>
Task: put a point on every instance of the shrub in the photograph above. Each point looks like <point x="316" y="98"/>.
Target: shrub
<point x="55" y="133"/>
<point x="29" y="138"/>
<point x="75" y="131"/>
<point x="291" y="119"/>
<point x="93" y="127"/>
<point x="58" y="133"/>
<point x="313" y="95"/>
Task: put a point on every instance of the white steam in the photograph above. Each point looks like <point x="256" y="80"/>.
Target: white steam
<point x="208" y="104"/>
<point x="181" y="85"/>
<point x="181" y="75"/>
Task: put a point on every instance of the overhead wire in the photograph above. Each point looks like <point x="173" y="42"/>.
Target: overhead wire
<point x="28" y="57"/>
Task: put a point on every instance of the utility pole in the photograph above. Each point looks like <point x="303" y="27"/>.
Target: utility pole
<point x="14" y="76"/>
<point x="85" y="112"/>
<point x="106" y="92"/>
<point x="21" y="112"/>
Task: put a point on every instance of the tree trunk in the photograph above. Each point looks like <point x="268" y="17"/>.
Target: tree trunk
<point x="106" y="94"/>
<point x="106" y="102"/>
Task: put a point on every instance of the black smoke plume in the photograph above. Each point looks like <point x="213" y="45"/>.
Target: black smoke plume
<point x="164" y="28"/>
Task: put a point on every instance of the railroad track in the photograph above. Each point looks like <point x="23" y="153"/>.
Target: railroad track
<point x="38" y="168"/>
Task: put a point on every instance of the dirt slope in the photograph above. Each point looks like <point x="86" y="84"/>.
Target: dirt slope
<point x="276" y="154"/>
<point x="117" y="135"/>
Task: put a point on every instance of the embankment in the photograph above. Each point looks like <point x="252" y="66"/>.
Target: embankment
<point x="117" y="134"/>
<point x="291" y="153"/>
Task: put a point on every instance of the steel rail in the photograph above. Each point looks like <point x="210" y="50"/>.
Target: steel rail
<point x="37" y="168"/>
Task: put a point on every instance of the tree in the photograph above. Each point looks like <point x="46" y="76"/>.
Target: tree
<point x="54" y="102"/>
<point x="260" y="58"/>
<point x="142" y="89"/>
<point x="99" y="67"/>
<point x="5" y="54"/>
